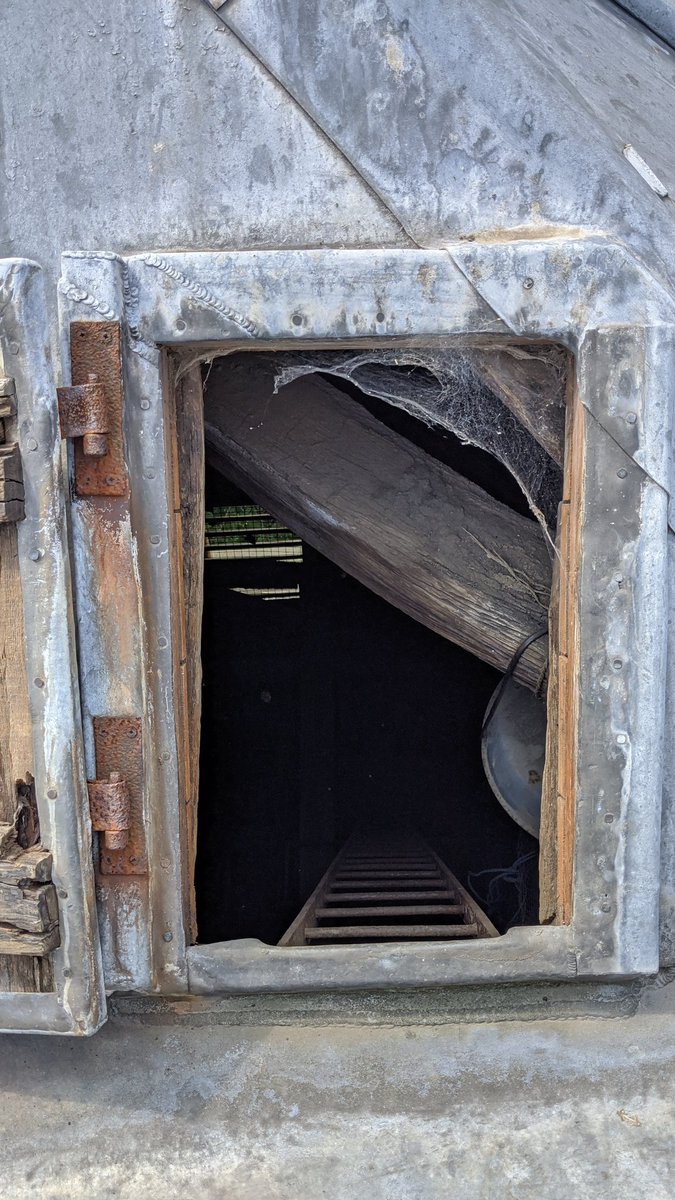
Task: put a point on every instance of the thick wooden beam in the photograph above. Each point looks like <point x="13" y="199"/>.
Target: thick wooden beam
<point x="417" y="533"/>
<point x="532" y="387"/>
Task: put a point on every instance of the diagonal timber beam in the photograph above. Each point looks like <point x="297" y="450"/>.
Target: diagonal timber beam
<point x="414" y="531"/>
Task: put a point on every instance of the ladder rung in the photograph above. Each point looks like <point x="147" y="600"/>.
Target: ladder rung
<point x="395" y="873"/>
<point x="393" y="910"/>
<point x="400" y="932"/>
<point x="347" y="884"/>
<point x="430" y="895"/>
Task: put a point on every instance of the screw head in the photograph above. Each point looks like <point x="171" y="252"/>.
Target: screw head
<point x="168" y="936"/>
<point x="36" y="555"/>
<point x="39" y="683"/>
<point x="52" y="793"/>
<point x="528" y="283"/>
<point x="622" y="472"/>
<point x="631" y="417"/>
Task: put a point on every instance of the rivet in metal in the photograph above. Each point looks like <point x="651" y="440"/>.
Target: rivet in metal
<point x="13" y="347"/>
<point x="296" y="319"/>
<point x="67" y="974"/>
<point x="168" y="936"/>
<point x="380" y="317"/>
<point x="617" y="664"/>
<point x="622" y="472"/>
<point x="631" y="418"/>
<point x="605" y="906"/>
<point x="36" y="555"/>
<point x="39" y="683"/>
<point x="52" y="793"/>
<point x="149" y="474"/>
<point x="31" y="444"/>
<point x="621" y="739"/>
<point x="155" y="539"/>
<point x="162" y="642"/>
<point x="609" y="817"/>
<point x="63" y="893"/>
<point x="145" y="404"/>
<point x="181" y="325"/>
<point x="528" y="283"/>
<point x="165" y="756"/>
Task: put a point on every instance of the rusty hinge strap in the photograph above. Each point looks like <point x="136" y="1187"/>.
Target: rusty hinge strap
<point x="118" y="746"/>
<point x="92" y="409"/>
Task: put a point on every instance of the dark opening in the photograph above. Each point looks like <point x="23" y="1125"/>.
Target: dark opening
<point x="327" y="710"/>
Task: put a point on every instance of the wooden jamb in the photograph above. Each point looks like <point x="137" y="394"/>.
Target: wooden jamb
<point x="556" y="846"/>
<point x="184" y="445"/>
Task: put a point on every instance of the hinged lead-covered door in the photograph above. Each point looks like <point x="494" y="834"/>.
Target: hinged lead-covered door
<point x="50" y="965"/>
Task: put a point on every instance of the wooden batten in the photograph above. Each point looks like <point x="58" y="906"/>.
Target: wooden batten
<point x="414" y="531"/>
<point x="556" y="845"/>
<point x="19" y="970"/>
<point x="185" y="418"/>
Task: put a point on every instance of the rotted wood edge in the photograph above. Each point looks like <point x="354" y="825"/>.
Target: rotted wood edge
<point x="184" y="408"/>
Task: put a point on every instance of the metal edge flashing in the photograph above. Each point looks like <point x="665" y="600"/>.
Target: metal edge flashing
<point x="565" y="289"/>
<point x="78" y="1004"/>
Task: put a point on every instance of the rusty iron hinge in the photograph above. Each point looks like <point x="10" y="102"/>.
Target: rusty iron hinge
<point x="83" y="413"/>
<point x="116" y="796"/>
<point x="110" y="808"/>
<point x="91" y="409"/>
<point x="11" y="469"/>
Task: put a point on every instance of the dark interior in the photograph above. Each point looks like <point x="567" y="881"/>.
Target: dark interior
<point x="329" y="711"/>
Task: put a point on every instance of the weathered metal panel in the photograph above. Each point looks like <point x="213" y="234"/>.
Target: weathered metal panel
<point x="60" y="782"/>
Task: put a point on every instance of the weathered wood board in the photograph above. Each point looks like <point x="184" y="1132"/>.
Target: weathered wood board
<point x="417" y="533"/>
<point x="21" y="973"/>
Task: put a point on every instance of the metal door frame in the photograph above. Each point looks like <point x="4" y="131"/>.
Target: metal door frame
<point x="587" y="293"/>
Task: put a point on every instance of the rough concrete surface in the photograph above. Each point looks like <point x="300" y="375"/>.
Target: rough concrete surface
<point x="556" y="1109"/>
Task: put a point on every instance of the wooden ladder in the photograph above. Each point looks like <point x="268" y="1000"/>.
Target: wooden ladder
<point x="387" y="887"/>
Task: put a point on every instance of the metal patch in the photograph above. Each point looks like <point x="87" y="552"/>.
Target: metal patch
<point x="96" y="350"/>
<point x="119" y="749"/>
